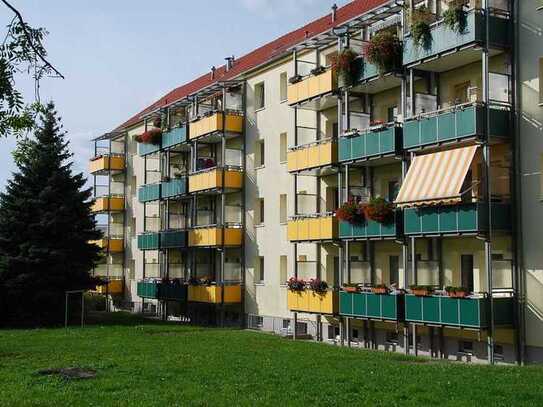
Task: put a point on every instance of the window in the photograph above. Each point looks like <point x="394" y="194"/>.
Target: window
<point x="260" y="217"/>
<point x="260" y="154"/>
<point x="393" y="190"/>
<point x="260" y="276"/>
<point x="260" y="96"/>
<point x="392" y="114"/>
<point x="283" y="81"/>
<point x="283" y="265"/>
<point x="283" y="208"/>
<point x="461" y="93"/>
<point x="466" y="271"/>
<point x="465" y="347"/>
<point x="394" y="267"/>
<point x="333" y="332"/>
<point x="283" y="148"/>
<point x="286" y="323"/>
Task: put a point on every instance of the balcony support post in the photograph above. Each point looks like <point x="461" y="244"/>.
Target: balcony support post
<point x="348" y="329"/>
<point x="412" y="92"/>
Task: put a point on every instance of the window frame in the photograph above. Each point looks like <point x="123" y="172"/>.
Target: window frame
<point x="260" y="96"/>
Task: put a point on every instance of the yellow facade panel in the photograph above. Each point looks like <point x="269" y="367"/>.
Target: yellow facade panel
<point x="312" y="86"/>
<point x="115" y="245"/>
<point x="213" y="123"/>
<point x="203" y="181"/>
<point x="214" y="294"/>
<point x="209" y="237"/>
<point x="312" y="302"/>
<point x="313" y="156"/>
<point x="113" y="287"/>
<point x="107" y="163"/>
<point x="106" y="204"/>
<point x="319" y="228"/>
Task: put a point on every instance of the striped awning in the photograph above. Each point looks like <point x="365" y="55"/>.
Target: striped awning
<point x="436" y="178"/>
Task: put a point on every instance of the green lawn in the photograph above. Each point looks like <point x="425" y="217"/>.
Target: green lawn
<point x="145" y="363"/>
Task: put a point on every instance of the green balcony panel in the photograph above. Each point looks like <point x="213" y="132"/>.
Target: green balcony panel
<point x="174" y="137"/>
<point x="174" y="188"/>
<point x="371" y="306"/>
<point x="363" y="70"/>
<point x="172" y="292"/>
<point x="444" y="39"/>
<point x="466" y="121"/>
<point x="149" y="241"/>
<point x="454" y="219"/>
<point x="146" y="149"/>
<point x="149" y="193"/>
<point x="173" y="239"/>
<point x="368" y="229"/>
<point x="369" y="144"/>
<point x="457" y="312"/>
<point x="147" y="289"/>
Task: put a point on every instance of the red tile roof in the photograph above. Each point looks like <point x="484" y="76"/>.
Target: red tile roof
<point x="261" y="55"/>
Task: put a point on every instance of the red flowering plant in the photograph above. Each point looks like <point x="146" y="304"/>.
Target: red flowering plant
<point x="384" y="50"/>
<point x="343" y="65"/>
<point x="379" y="210"/>
<point x="295" y="284"/>
<point x="351" y="212"/>
<point x="152" y="136"/>
<point x="319" y="286"/>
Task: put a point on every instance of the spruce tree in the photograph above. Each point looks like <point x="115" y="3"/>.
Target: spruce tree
<point x="45" y="229"/>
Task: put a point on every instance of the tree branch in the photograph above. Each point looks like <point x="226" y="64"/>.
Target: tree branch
<point x="29" y="38"/>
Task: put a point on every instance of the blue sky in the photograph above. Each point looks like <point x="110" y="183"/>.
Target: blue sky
<point x="119" y="56"/>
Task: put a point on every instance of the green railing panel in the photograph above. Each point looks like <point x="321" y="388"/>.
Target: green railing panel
<point x="149" y="193"/>
<point x="430" y="309"/>
<point x="147" y="290"/>
<point x="346" y="303"/>
<point x="149" y="241"/>
<point x="368" y="229"/>
<point x="368" y="144"/>
<point x="173" y="239"/>
<point x="146" y="149"/>
<point x="364" y="70"/>
<point x="371" y="306"/>
<point x="172" y="292"/>
<point x="174" y="137"/>
<point x="174" y="188"/>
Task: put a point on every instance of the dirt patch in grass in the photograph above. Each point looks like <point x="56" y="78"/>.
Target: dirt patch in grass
<point x="69" y="373"/>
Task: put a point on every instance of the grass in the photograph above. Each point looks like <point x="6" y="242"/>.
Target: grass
<point x="150" y="363"/>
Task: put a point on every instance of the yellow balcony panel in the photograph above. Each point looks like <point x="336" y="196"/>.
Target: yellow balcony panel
<point x="314" y="303"/>
<point x="108" y="204"/>
<point x="230" y="294"/>
<point x="211" y="237"/>
<point x="312" y="86"/>
<point x="312" y="229"/>
<point x="113" y="287"/>
<point x="207" y="180"/>
<point x="210" y="124"/>
<point x="114" y="245"/>
<point x="107" y="163"/>
<point x="313" y="156"/>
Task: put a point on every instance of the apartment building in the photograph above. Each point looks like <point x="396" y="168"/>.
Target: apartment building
<point x="372" y="179"/>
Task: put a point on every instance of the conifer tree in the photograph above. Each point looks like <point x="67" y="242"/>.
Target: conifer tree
<point x="45" y="229"/>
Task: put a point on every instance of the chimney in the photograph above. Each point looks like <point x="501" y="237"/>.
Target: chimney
<point x="213" y="70"/>
<point x="334" y="13"/>
<point x="229" y="62"/>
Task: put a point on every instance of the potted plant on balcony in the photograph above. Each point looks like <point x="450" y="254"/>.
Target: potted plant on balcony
<point x="296" y="284"/>
<point x="318" y="70"/>
<point x="455" y="17"/>
<point x="457" y="292"/>
<point x="420" y="27"/>
<point x="380" y="289"/>
<point x="152" y="136"/>
<point x="351" y="288"/>
<point x="351" y="212"/>
<point x="422" y="290"/>
<point x="376" y="125"/>
<point x="384" y="50"/>
<point x="295" y="79"/>
<point x="343" y="65"/>
<point x="318" y="286"/>
<point x="379" y="210"/>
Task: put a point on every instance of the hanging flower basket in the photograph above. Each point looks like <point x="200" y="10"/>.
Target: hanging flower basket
<point x="343" y="65"/>
<point x="152" y="136"/>
<point x="318" y="286"/>
<point x="351" y="212"/>
<point x="295" y="284"/>
<point x="384" y="50"/>
<point x="420" y="28"/>
<point x="455" y="17"/>
<point x="379" y="210"/>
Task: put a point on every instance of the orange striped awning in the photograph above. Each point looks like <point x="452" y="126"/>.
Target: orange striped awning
<point x="436" y="178"/>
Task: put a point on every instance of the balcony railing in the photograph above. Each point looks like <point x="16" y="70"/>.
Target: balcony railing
<point x="173" y="239"/>
<point x="213" y="237"/>
<point x="364" y="70"/>
<point x="211" y="179"/>
<point x="174" y="137"/>
<point x="456" y="123"/>
<point x="108" y="204"/>
<point x="367" y="305"/>
<point x="149" y="193"/>
<point x="315" y="155"/>
<point x="309" y="301"/>
<point x="370" y="229"/>
<point x="110" y="244"/>
<point x="312" y="86"/>
<point x="371" y="143"/>
<point x="157" y="290"/>
<point x="458" y="312"/>
<point x="106" y="163"/>
<point x="446" y="40"/>
<point x="312" y="228"/>
<point x="148" y="148"/>
<point x="149" y="241"/>
<point x="174" y="188"/>
<point x="216" y="122"/>
<point x="112" y="287"/>
<point x="228" y="294"/>
<point x="471" y="218"/>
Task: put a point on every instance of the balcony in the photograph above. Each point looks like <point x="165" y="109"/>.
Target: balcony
<point x="316" y="155"/>
<point x="368" y="144"/>
<point x="446" y="41"/>
<point x="370" y="229"/>
<point x="149" y="193"/>
<point x="310" y="302"/>
<point x="311" y="87"/>
<point x="108" y="204"/>
<point x="212" y="179"/>
<point x="367" y="305"/>
<point x="217" y="122"/>
<point x="228" y="294"/>
<point x="174" y="137"/>
<point x="457" y="312"/>
<point x="107" y="163"/>
<point x="110" y="245"/>
<point x="364" y="70"/>
<point x="148" y="148"/>
<point x="174" y="188"/>
<point x="312" y="228"/>
<point x="471" y="218"/>
<point x="173" y="239"/>
<point x="213" y="237"/>
<point x="460" y="122"/>
<point x="157" y="290"/>
<point x="149" y="241"/>
<point x="113" y="287"/>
